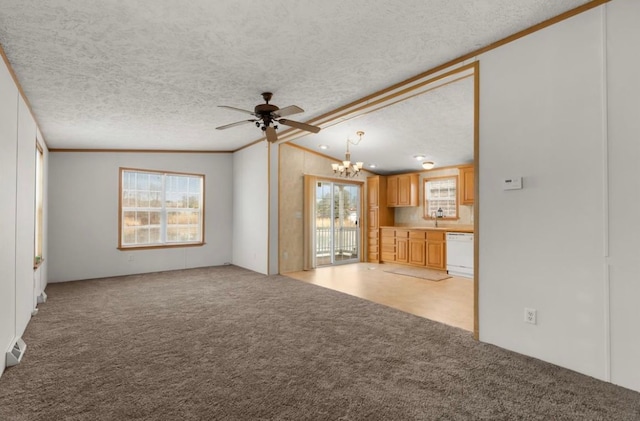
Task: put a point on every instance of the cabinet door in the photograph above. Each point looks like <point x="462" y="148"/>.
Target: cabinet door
<point x="373" y="185"/>
<point x="404" y="190"/>
<point x="435" y="255"/>
<point x="392" y="191"/>
<point x="417" y="254"/>
<point x="402" y="254"/>
<point x="467" y="192"/>
<point x="372" y="219"/>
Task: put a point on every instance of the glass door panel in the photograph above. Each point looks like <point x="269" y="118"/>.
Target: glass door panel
<point x="337" y="223"/>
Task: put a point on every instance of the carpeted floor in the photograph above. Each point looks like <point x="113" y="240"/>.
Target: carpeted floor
<point x="225" y="343"/>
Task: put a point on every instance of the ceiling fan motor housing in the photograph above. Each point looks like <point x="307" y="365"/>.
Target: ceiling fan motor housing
<point x="263" y="111"/>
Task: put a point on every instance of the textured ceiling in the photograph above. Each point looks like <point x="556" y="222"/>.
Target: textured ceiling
<point x="148" y="74"/>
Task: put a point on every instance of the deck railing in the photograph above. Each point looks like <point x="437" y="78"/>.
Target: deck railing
<point x="346" y="241"/>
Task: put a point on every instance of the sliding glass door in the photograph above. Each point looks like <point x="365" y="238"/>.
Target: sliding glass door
<point x="337" y="223"/>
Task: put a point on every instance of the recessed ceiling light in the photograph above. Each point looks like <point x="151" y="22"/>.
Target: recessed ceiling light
<point x="372" y="165"/>
<point x="419" y="157"/>
<point x="323" y="146"/>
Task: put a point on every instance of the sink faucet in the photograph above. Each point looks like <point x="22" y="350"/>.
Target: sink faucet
<point x="437" y="214"/>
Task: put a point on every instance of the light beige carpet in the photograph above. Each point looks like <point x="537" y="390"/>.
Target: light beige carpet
<point x="423" y="273"/>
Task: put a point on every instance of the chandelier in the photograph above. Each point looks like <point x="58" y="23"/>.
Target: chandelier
<point x="348" y="168"/>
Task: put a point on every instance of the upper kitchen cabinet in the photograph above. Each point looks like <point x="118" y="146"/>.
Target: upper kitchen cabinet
<point x="467" y="185"/>
<point x="402" y="190"/>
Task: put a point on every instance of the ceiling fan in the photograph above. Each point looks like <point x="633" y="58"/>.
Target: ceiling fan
<point x="267" y="115"/>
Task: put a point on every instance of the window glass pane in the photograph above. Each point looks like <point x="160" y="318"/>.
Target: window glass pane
<point x="155" y="218"/>
<point x="129" y="219"/>
<point x="183" y="185"/>
<point x="155" y="200"/>
<point x="142" y="235"/>
<point x="154" y="235"/>
<point x="155" y="182"/>
<point x="172" y="233"/>
<point x="194" y="185"/>
<point x="129" y="235"/>
<point x="194" y="233"/>
<point x="194" y="202"/>
<point x="142" y="218"/>
<point x="142" y="181"/>
<point x="128" y="199"/>
<point x="143" y="199"/>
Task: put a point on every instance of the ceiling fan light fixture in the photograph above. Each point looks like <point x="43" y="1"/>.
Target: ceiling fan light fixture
<point x="267" y="117"/>
<point x="427" y="165"/>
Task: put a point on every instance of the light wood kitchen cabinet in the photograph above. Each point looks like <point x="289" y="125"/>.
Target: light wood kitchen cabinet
<point x="436" y="250"/>
<point x="388" y="245"/>
<point x="467" y="186"/>
<point x="402" y="246"/>
<point x="378" y="214"/>
<point x="417" y="246"/>
<point x="402" y="190"/>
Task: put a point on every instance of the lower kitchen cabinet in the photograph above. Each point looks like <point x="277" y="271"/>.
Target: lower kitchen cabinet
<point x="402" y="246"/>
<point x="436" y="250"/>
<point x="414" y="247"/>
<point x="417" y="247"/>
<point x="387" y="245"/>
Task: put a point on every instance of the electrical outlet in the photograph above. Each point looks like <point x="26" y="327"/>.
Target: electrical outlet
<point x="530" y="315"/>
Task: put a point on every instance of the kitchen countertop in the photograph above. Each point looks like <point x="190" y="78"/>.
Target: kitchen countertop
<point x="450" y="228"/>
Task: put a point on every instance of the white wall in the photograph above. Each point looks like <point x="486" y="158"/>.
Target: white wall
<point x="543" y="247"/>
<point x="251" y="208"/>
<point x="8" y="166"/>
<point x="25" y="217"/>
<point x="623" y="63"/>
<point x="18" y="288"/>
<point x="83" y="218"/>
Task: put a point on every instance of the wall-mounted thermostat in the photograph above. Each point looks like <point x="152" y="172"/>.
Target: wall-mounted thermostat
<point x="513" y="183"/>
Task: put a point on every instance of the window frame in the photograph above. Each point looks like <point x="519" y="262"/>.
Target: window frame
<point x="456" y="197"/>
<point x="199" y="243"/>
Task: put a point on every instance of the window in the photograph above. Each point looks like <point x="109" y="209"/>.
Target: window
<point x="441" y="193"/>
<point x="38" y="239"/>
<point x="160" y="209"/>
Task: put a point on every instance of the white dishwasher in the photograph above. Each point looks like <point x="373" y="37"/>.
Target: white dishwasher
<point x="460" y="254"/>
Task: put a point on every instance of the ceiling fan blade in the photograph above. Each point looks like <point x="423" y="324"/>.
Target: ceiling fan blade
<point x="237" y="123"/>
<point x="291" y="109"/>
<point x="237" y="109"/>
<point x="301" y="126"/>
<point x="272" y="136"/>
